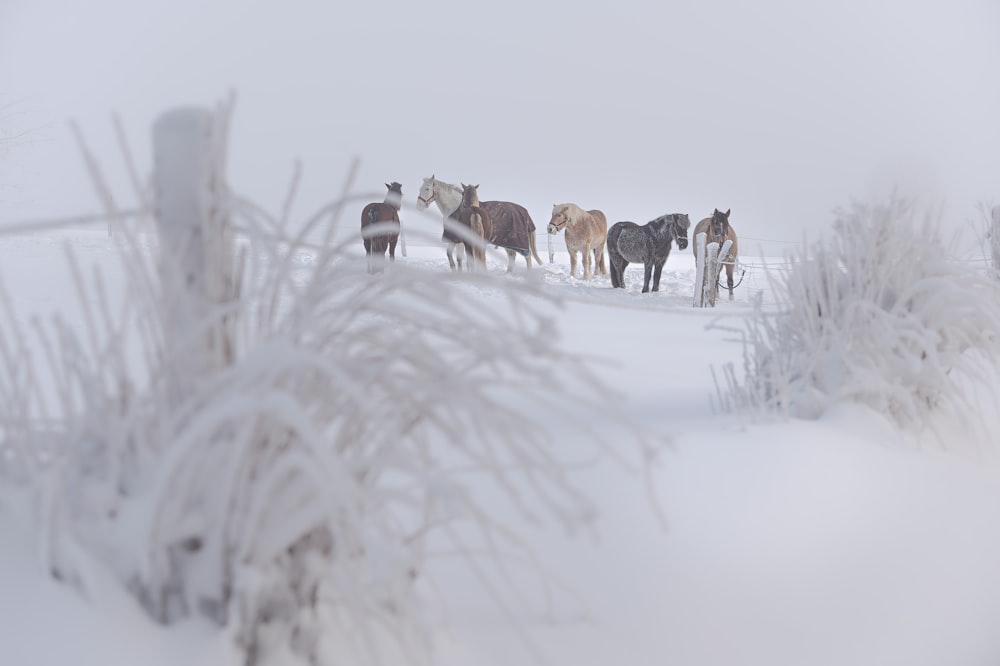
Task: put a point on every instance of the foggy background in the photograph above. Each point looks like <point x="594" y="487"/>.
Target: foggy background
<point x="780" y="111"/>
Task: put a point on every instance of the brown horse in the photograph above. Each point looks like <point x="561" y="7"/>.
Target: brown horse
<point x="717" y="230"/>
<point x="378" y="241"/>
<point x="471" y="216"/>
<point x="586" y="231"/>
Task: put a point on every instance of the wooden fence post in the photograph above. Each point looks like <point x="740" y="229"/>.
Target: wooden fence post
<point x="708" y="258"/>
<point x="196" y="249"/>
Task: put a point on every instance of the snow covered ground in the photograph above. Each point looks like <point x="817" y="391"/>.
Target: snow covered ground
<point x="802" y="543"/>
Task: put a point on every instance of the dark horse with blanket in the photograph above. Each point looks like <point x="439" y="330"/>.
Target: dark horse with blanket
<point x="648" y="243"/>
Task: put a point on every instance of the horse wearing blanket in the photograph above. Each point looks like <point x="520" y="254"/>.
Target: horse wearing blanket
<point x="513" y="228"/>
<point x="474" y="218"/>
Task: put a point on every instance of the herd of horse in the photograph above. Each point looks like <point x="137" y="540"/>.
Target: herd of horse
<point x="470" y="225"/>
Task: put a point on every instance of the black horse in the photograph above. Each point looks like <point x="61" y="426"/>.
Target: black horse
<point x="386" y="211"/>
<point x="648" y="243"/>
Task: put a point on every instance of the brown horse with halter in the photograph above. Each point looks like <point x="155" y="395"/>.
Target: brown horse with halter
<point x="717" y="230"/>
<point x="387" y="213"/>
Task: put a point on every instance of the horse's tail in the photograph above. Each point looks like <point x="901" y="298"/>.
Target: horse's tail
<point x="531" y="246"/>
<point x="614" y="256"/>
<point x="479" y="249"/>
<point x="617" y="274"/>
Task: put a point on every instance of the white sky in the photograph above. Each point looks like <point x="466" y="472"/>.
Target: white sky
<point x="778" y="110"/>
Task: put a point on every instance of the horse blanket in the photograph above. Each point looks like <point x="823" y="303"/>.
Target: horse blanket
<point x="512" y="225"/>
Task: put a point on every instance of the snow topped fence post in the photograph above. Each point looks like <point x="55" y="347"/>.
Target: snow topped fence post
<point x="708" y="258"/>
<point x="196" y="247"/>
<point x="699" y="275"/>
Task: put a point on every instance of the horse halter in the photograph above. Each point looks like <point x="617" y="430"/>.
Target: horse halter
<point x="560" y="227"/>
<point x="427" y="202"/>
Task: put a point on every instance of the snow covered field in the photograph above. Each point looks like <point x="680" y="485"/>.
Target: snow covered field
<point x="798" y="543"/>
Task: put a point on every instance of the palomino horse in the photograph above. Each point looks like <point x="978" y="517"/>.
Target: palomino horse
<point x="648" y="243"/>
<point x="717" y="230"/>
<point x="513" y="228"/>
<point x="386" y="212"/>
<point x="471" y="216"/>
<point x="586" y="231"/>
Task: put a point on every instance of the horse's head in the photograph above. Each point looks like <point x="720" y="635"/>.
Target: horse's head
<point x="680" y="226"/>
<point x="427" y="192"/>
<point x="394" y="196"/>
<point x="470" y="195"/>
<point x="560" y="218"/>
<point x="718" y="228"/>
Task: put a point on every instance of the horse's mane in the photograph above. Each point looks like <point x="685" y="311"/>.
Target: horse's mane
<point x="452" y="186"/>
<point x="676" y="219"/>
<point x="571" y="210"/>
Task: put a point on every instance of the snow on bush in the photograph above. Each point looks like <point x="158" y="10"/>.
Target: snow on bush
<point x="882" y="314"/>
<point x="356" y="423"/>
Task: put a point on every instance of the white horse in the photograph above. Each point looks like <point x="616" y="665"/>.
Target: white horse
<point x="513" y="229"/>
<point x="448" y="198"/>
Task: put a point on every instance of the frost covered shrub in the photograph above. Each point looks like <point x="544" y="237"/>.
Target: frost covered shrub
<point x="295" y="489"/>
<point x="302" y="485"/>
<point x="881" y="314"/>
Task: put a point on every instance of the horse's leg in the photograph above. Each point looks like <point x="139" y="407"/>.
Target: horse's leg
<point x="449" y="249"/>
<point x="647" y="273"/>
<point x="729" y="279"/>
<point x="656" y="274"/>
<point x="585" y="254"/>
<point x="572" y="262"/>
<point x="392" y="248"/>
<point x="511" y="258"/>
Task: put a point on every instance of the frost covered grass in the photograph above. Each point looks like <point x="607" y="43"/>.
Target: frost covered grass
<point x="299" y="484"/>
<point x="827" y="530"/>
<point x="881" y="314"/>
<point x="258" y="433"/>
